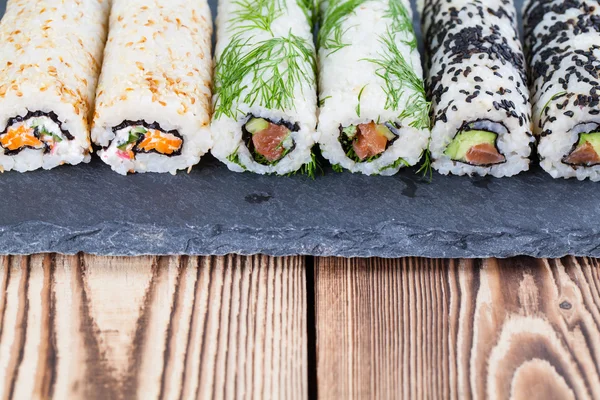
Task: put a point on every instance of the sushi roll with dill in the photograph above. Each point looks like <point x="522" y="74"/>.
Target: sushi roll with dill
<point x="563" y="49"/>
<point x="50" y="57"/>
<point x="265" y="91"/>
<point x="374" y="116"/>
<point x="154" y="98"/>
<point x="481" y="115"/>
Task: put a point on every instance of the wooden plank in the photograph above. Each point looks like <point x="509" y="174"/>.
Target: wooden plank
<point x="169" y="328"/>
<point x="498" y="329"/>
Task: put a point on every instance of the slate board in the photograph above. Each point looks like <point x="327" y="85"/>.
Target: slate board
<point x="213" y="211"/>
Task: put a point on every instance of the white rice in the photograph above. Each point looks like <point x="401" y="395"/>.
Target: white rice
<point x="157" y="69"/>
<point x="557" y="111"/>
<point x="239" y="34"/>
<point x="353" y="59"/>
<point x="50" y="57"/>
<point x="483" y="84"/>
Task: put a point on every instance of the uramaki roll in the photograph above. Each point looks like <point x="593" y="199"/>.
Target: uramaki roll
<point x="50" y="57"/>
<point x="478" y="88"/>
<point x="563" y="49"/>
<point x="265" y="90"/>
<point x="374" y="116"/>
<point x="153" y="100"/>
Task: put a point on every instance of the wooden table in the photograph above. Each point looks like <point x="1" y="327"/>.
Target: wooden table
<point x="224" y="327"/>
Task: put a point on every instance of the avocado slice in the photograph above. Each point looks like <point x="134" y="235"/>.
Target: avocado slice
<point x="462" y="143"/>
<point x="592" y="138"/>
<point x="350" y="131"/>
<point x="255" y="125"/>
<point x="385" y="131"/>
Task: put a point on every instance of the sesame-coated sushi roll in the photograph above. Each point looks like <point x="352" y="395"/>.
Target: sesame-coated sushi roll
<point x="481" y="115"/>
<point x="265" y="91"/>
<point x="563" y="49"/>
<point x="153" y="99"/>
<point x="374" y="116"/>
<point x="50" y="57"/>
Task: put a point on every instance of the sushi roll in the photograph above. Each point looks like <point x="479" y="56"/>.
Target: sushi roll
<point x="476" y="80"/>
<point x="374" y="116"/>
<point x="50" y="57"/>
<point x="153" y="99"/>
<point x="265" y="86"/>
<point x="563" y="51"/>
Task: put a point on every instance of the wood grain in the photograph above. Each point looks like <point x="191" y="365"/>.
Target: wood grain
<point x="498" y="329"/>
<point x="152" y="328"/>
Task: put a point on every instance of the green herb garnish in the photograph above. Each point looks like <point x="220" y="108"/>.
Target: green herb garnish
<point x="426" y="168"/>
<point x="359" y="96"/>
<point x="399" y="76"/>
<point x="259" y="158"/>
<point x="322" y="101"/>
<point x="255" y="14"/>
<point x="311" y="168"/>
<point x="278" y="66"/>
<point x="398" y="13"/>
<point x="330" y="32"/>
<point x="309" y="8"/>
<point x="235" y="158"/>
<point x="337" y="168"/>
<point x="396" y="164"/>
<point x="556" y="96"/>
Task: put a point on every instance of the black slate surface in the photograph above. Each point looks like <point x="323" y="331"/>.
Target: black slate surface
<point x="213" y="211"/>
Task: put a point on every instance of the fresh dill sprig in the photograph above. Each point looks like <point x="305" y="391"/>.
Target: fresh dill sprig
<point x="235" y="158"/>
<point x="309" y="8"/>
<point x="400" y="17"/>
<point x="399" y="76"/>
<point x="426" y="168"/>
<point x="229" y="76"/>
<point x="418" y="109"/>
<point x="359" y="97"/>
<point x="396" y="164"/>
<point x="556" y="96"/>
<point x="337" y="168"/>
<point x="255" y="14"/>
<point x="322" y="101"/>
<point x="278" y="66"/>
<point x="260" y="159"/>
<point x="310" y="169"/>
<point x="331" y="32"/>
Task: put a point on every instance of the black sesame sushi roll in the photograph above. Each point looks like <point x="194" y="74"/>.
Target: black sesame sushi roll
<point x="563" y="51"/>
<point x="481" y="115"/>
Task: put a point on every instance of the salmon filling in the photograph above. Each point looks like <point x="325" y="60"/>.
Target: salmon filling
<point x="270" y="142"/>
<point x="135" y="139"/>
<point x="484" y="154"/>
<point x="366" y="142"/>
<point x="586" y="151"/>
<point x="475" y="147"/>
<point x="32" y="132"/>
